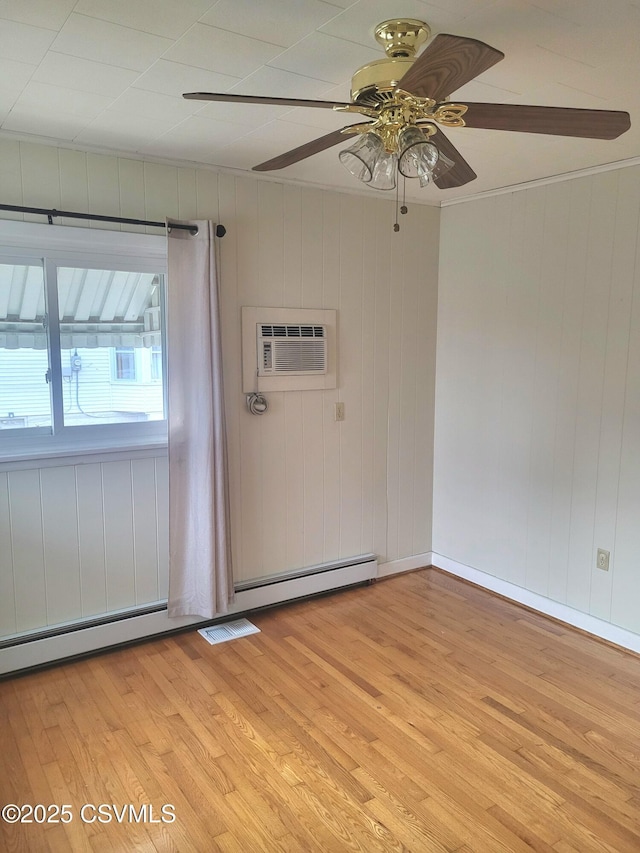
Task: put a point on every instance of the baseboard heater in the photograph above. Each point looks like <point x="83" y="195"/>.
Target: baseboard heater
<point x="287" y="586"/>
<point x="86" y="636"/>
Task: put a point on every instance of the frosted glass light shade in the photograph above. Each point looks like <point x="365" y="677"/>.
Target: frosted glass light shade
<point x="443" y="165"/>
<point x="441" y="168"/>
<point x="417" y="156"/>
<point x="360" y="159"/>
<point x="384" y="172"/>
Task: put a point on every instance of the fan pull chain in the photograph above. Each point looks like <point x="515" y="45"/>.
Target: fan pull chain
<point x="396" y="224"/>
<point x="403" y="208"/>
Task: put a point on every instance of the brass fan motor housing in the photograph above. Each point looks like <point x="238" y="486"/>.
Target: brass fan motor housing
<point x="374" y="83"/>
<point x="402" y="36"/>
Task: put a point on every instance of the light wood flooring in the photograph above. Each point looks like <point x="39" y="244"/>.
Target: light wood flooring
<point x="420" y="713"/>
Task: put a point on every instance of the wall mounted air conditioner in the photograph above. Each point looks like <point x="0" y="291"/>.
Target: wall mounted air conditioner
<point x="291" y="349"/>
<point x="288" y="349"/>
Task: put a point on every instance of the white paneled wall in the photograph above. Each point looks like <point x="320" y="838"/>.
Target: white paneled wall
<point x="538" y="391"/>
<point x="81" y="540"/>
<point x="304" y="488"/>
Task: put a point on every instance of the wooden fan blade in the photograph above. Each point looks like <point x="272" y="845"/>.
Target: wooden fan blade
<point x="258" y="99"/>
<point x="558" y="121"/>
<point x="304" y="151"/>
<point x="461" y="173"/>
<point x="447" y="64"/>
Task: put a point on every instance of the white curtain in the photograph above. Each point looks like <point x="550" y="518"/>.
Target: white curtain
<point x="200" y="571"/>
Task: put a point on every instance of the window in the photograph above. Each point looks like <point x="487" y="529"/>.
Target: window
<point x="81" y="344"/>
<point x="156" y="364"/>
<point x="124" y="364"/>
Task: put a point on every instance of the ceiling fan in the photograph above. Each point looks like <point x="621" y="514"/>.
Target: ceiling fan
<point x="405" y="102"/>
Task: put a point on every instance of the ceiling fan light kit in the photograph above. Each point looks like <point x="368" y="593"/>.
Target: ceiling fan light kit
<point x="404" y="99"/>
<point x="413" y="156"/>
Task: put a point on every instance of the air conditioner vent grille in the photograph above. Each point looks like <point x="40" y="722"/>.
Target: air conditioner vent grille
<point x="292" y="331"/>
<point x="297" y="356"/>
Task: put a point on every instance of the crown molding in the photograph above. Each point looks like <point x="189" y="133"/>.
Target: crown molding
<point x="68" y="145"/>
<point x="362" y="192"/>
<point x="541" y="182"/>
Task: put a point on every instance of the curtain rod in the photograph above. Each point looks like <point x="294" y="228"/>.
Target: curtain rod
<point x="50" y="213"/>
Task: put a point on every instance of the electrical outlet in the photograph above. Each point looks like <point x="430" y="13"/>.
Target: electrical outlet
<point x="339" y="411"/>
<point x="602" y="561"/>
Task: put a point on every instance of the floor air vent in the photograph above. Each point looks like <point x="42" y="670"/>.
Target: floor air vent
<point x="228" y="631"/>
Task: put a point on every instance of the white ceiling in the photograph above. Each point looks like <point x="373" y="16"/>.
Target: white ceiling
<point x="109" y="74"/>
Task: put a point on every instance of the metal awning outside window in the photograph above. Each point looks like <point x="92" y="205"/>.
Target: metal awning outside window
<point x="97" y="308"/>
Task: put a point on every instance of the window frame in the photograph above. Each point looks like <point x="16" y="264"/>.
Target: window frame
<point x="85" y="248"/>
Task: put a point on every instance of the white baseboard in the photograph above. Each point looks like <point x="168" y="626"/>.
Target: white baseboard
<point x="66" y="645"/>
<point x="590" y="624"/>
<point x="405" y="564"/>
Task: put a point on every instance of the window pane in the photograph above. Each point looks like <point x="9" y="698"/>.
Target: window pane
<point x="109" y="323"/>
<point x="156" y="364"/>
<point x="25" y="399"/>
<point x="125" y="363"/>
